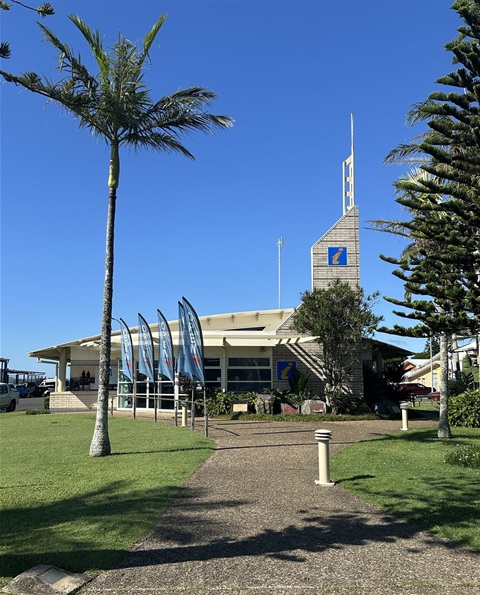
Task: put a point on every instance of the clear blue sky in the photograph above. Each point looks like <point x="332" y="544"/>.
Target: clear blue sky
<point x="290" y="73"/>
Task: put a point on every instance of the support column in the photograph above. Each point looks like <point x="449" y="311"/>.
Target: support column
<point x="62" y="371"/>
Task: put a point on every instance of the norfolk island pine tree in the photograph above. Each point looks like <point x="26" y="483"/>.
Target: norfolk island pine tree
<point x="449" y="154"/>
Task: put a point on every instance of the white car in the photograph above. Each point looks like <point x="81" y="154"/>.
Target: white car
<point x="47" y="386"/>
<point x="9" y="398"/>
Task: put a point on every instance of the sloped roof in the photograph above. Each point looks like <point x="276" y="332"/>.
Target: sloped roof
<point x="259" y="328"/>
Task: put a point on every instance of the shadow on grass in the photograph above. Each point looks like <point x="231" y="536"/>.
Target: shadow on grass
<point x="427" y="435"/>
<point x="190" y="532"/>
<point x="74" y="525"/>
<point x="436" y="499"/>
<point x="158" y="451"/>
<point x="457" y="507"/>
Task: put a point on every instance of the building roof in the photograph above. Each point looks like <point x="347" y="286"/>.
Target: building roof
<point x="258" y="328"/>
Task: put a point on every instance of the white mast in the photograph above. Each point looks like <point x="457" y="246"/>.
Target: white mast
<point x="279" y="246"/>
<point x="348" y="176"/>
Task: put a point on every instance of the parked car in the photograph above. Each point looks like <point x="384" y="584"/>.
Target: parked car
<point x="434" y="395"/>
<point x="13" y="389"/>
<point x="37" y="392"/>
<point x="22" y="390"/>
<point x="31" y="386"/>
<point x="9" y="398"/>
<point x="47" y="386"/>
<point x="415" y="388"/>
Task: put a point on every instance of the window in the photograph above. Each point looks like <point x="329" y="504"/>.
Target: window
<point x="246" y="374"/>
<point x="213" y="372"/>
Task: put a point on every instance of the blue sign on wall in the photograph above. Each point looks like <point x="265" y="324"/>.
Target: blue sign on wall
<point x="337" y="256"/>
<point x="285" y="369"/>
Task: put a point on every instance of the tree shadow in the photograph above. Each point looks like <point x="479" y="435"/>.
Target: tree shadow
<point x="311" y="534"/>
<point x="73" y="524"/>
<point x="457" y="507"/>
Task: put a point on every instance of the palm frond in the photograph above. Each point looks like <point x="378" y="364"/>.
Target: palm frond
<point x="151" y="35"/>
<point x="114" y="103"/>
<point x="95" y="42"/>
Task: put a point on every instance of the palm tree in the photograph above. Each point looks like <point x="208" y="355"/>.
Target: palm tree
<point x="115" y="105"/>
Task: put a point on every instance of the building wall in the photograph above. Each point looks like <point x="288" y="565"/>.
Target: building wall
<point x="77" y="401"/>
<point x="344" y="234"/>
<point x="306" y="356"/>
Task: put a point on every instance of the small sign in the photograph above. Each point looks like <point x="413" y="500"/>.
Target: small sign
<point x="285" y="369"/>
<point x="337" y="256"/>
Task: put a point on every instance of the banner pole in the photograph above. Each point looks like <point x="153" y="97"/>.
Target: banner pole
<point x="192" y="413"/>
<point x="147" y="404"/>
<point x="175" y="400"/>
<point x="205" y="411"/>
<point x="135" y="397"/>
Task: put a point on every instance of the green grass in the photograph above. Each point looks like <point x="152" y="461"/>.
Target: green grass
<point x="406" y="475"/>
<point x="60" y="506"/>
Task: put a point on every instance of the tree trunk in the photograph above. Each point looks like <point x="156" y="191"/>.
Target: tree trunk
<point x="443" y="425"/>
<point x="100" y="446"/>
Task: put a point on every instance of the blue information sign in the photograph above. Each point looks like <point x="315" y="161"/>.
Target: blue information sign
<point x="337" y="256"/>
<point x="285" y="369"/>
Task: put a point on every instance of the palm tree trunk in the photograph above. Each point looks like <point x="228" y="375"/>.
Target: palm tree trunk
<point x="100" y="446"/>
<point x="443" y="425"/>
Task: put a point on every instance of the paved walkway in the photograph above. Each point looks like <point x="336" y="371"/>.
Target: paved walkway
<point x="252" y="520"/>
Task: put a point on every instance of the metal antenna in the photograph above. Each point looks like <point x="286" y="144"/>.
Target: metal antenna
<point x="280" y="243"/>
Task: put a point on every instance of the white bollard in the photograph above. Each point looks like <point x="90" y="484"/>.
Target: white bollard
<point x="323" y="438"/>
<point x="404" y="406"/>
<point x="184" y="415"/>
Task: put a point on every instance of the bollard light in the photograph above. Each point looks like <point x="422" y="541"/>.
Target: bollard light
<point x="404" y="406"/>
<point x="323" y="439"/>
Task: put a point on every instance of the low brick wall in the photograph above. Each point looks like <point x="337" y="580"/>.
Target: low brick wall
<point x="77" y="401"/>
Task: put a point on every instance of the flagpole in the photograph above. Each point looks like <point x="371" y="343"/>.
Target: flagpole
<point x="205" y="411"/>
<point x="135" y="396"/>
<point x="155" y="393"/>
<point x="175" y="399"/>
<point x="192" y="413"/>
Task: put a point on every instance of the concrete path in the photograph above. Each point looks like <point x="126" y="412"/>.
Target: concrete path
<point x="252" y="520"/>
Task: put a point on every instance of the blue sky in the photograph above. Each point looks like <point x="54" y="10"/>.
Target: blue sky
<point x="289" y="73"/>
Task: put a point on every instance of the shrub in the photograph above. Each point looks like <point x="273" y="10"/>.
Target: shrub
<point x="219" y="402"/>
<point x="36" y="411"/>
<point x="464" y="409"/>
<point x="339" y="402"/>
<point x="465" y="455"/>
<point x="46" y="402"/>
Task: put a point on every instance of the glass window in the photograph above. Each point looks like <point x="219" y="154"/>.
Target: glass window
<point x="211" y="361"/>
<point x="212" y="374"/>
<point x="239" y="387"/>
<point x="166" y="395"/>
<point x="249" y="362"/>
<point x="249" y="374"/>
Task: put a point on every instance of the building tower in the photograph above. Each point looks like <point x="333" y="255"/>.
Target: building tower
<point x="336" y="255"/>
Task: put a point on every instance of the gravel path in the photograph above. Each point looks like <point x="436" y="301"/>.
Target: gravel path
<point x="252" y="520"/>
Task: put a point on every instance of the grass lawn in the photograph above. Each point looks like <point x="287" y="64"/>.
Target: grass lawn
<point x="405" y="475"/>
<point x="60" y="506"/>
